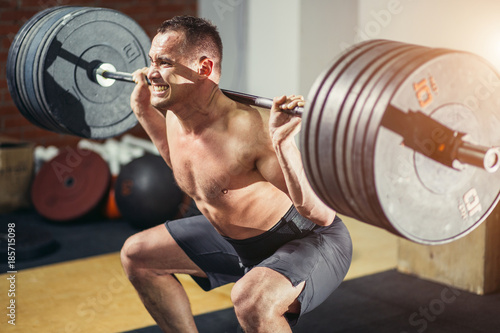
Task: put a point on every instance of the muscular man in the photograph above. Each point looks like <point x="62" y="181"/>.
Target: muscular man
<point x="262" y="225"/>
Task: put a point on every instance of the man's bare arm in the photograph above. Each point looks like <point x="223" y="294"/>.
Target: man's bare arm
<point x="152" y="120"/>
<point x="283" y="128"/>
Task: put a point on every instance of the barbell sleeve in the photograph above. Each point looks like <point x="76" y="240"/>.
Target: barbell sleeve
<point x="420" y="131"/>
<point x="235" y="96"/>
<point x="120" y="76"/>
<point x="487" y="158"/>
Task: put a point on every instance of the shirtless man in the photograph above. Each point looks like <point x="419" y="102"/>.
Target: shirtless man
<point x="262" y="225"/>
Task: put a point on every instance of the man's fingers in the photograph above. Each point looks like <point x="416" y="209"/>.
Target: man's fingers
<point x="140" y="75"/>
<point x="289" y="102"/>
<point x="292" y="104"/>
<point x="279" y="99"/>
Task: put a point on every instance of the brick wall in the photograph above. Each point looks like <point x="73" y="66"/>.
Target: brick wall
<point x="14" y="13"/>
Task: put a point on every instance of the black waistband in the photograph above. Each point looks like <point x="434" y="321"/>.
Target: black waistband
<point x="255" y="249"/>
<point x="298" y="220"/>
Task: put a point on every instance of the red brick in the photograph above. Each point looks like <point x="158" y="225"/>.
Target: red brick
<point x="13" y="121"/>
<point x="116" y="4"/>
<point x="3" y="84"/>
<point x="5" y="100"/>
<point x="181" y="2"/>
<point x="58" y="140"/>
<point x="5" y="43"/>
<point x="8" y="110"/>
<point x="14" y="134"/>
<point x="32" y="132"/>
<point x="171" y="8"/>
<point x="43" y="3"/>
<point x="17" y="15"/>
<point x="8" y="28"/>
<point x="137" y="10"/>
<point x="9" y="4"/>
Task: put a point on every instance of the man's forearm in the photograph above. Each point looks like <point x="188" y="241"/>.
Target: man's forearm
<point x="151" y="119"/>
<point x="153" y="122"/>
<point x="302" y="195"/>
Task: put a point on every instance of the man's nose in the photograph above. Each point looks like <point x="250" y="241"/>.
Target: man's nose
<point x="153" y="73"/>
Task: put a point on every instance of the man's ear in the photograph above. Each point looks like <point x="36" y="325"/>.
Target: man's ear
<point x="206" y="67"/>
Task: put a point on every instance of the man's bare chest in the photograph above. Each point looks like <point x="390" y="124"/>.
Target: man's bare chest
<point x="206" y="171"/>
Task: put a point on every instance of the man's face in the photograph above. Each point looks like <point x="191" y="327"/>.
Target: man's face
<point x="171" y="74"/>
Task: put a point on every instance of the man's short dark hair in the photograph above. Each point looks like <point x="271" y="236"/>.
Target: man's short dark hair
<point x="201" y="36"/>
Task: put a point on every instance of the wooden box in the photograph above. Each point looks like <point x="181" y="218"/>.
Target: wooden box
<point x="470" y="263"/>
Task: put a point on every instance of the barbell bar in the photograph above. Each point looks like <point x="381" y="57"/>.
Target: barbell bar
<point x="453" y="148"/>
<point x="400" y="136"/>
<point x="109" y="72"/>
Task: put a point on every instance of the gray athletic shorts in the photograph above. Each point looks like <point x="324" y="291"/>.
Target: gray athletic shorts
<point x="294" y="247"/>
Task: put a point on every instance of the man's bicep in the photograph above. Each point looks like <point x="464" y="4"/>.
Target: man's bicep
<point x="270" y="169"/>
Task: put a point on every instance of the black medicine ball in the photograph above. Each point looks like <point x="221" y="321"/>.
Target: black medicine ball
<point x="146" y="192"/>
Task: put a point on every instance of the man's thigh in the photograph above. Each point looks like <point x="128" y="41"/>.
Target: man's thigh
<point x="155" y="249"/>
<point x="208" y="250"/>
<point x="321" y="260"/>
<point x="270" y="288"/>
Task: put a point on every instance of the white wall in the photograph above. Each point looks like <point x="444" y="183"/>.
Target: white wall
<point x="468" y="25"/>
<point x="231" y="18"/>
<point x="273" y="53"/>
<point x="325" y="24"/>
<point x="275" y="47"/>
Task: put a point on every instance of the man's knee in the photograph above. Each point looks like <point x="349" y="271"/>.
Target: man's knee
<point x="130" y="253"/>
<point x="251" y="305"/>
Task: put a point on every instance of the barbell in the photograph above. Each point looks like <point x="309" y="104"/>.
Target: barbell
<point x="400" y="136"/>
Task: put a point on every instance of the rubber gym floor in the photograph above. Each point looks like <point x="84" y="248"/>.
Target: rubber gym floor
<point x="80" y="287"/>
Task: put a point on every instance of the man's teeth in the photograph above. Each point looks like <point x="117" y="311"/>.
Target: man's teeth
<point x="160" y="88"/>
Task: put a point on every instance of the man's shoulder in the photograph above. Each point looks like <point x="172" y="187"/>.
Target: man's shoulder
<point x="246" y="117"/>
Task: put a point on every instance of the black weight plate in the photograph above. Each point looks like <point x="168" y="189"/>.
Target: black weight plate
<point x="26" y="63"/>
<point x="22" y="62"/>
<point x="355" y="142"/>
<point x="369" y="122"/>
<point x="49" y="26"/>
<point x="33" y="54"/>
<point x="377" y="102"/>
<point x="90" y="36"/>
<point x="312" y="145"/>
<point x="353" y="112"/>
<point x="431" y="203"/>
<point x="309" y="134"/>
<point x="332" y="108"/>
<point x="13" y="82"/>
<point x="356" y="138"/>
<point x="356" y="75"/>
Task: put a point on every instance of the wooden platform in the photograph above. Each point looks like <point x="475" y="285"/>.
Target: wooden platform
<point x="94" y="295"/>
